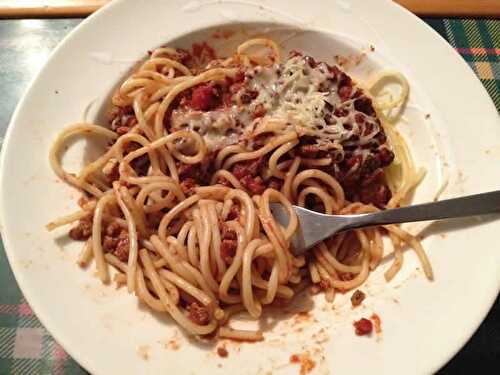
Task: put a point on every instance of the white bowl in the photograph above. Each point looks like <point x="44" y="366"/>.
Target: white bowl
<point x="107" y="331"/>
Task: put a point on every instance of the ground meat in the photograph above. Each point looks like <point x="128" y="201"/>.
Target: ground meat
<point x="380" y="139"/>
<point x="222" y="352"/>
<point x="357" y="297"/>
<point x="345" y="85"/>
<point x="198" y="314"/>
<point x="372" y="176"/>
<point x="121" y="130"/>
<point x="113" y="229"/>
<point x="359" y="118"/>
<point x="377" y="194"/>
<point x="325" y="284"/>
<point x="275" y="183"/>
<point x="385" y="155"/>
<point x="367" y="129"/>
<point x="239" y="76"/>
<point x="247" y="168"/>
<point x="234" y="87"/>
<point x="364" y="179"/>
<point x="254" y="184"/>
<point x="201" y="172"/>
<point x="228" y="250"/>
<point x="190" y="171"/>
<point x="188" y="185"/>
<point x="363" y="327"/>
<point x="234" y="212"/>
<point x="82" y="230"/>
<point x="310" y="61"/>
<point x="109" y="243"/>
<point x="346" y="276"/>
<point x="182" y="56"/>
<point x="116" y="241"/>
<point x="84" y="199"/>
<point x="205" y="98"/>
<point x="361" y="177"/>
<point x="352" y="161"/>
<point x="348" y="172"/>
<point x="121" y="119"/>
<point x="122" y="247"/>
<point x="364" y="105"/>
<point x="154" y="218"/>
<point x="343" y="79"/>
<point x="259" y="111"/>
<point x="249" y="95"/>
<point x="229" y="91"/>
<point x="247" y="172"/>
<point x="259" y="140"/>
<point x="345" y="92"/>
<point x="229" y="244"/>
<point x="228" y="234"/>
<point x="341" y="112"/>
<point x="308" y="151"/>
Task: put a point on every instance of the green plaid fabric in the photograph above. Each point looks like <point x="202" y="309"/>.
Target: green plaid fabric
<point x="25" y="345"/>
<point x="478" y="41"/>
<point x="27" y="348"/>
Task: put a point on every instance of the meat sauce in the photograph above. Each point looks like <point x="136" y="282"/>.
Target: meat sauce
<point x="248" y="173"/>
<point x="363" y="327"/>
<point x="361" y="176"/>
<point x="82" y="230"/>
<point x="229" y="243"/>
<point x="115" y="238"/>
<point x="116" y="241"/>
<point x="357" y="298"/>
<point x="198" y="314"/>
<point x="359" y="168"/>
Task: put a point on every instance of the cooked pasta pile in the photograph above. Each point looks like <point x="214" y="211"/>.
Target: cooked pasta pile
<point x="199" y="147"/>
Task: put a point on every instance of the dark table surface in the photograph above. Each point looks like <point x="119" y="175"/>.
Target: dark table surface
<point x="25" y="46"/>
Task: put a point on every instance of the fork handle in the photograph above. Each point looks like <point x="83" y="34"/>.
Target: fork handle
<point x="478" y="204"/>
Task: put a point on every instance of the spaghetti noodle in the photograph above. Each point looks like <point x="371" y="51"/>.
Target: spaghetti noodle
<point x="179" y="204"/>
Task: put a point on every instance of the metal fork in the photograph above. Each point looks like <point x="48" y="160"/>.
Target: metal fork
<point x="315" y="227"/>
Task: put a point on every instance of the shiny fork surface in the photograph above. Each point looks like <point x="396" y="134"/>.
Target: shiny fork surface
<point x="315" y="227"/>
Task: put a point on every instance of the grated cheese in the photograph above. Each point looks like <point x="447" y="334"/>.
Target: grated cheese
<point x="304" y="97"/>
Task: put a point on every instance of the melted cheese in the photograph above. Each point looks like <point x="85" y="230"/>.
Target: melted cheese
<point x="218" y="128"/>
<point x="305" y="98"/>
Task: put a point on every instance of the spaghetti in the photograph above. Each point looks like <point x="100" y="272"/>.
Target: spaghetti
<point x="179" y="203"/>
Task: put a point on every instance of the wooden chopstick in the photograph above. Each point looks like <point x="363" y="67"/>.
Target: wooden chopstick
<point x="453" y="8"/>
<point x="439" y="8"/>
